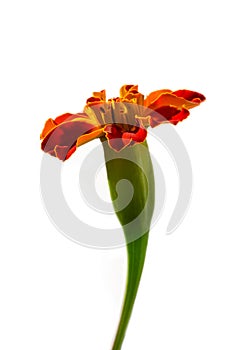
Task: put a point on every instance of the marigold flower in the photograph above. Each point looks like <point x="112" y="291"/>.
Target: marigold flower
<point x="121" y="124"/>
<point x="123" y="120"/>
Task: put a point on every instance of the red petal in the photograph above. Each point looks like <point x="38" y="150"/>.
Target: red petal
<point x="63" y="137"/>
<point x="93" y="100"/>
<point x="68" y="116"/>
<point x="169" y="99"/>
<point x="154" y="96"/>
<point x="125" y="89"/>
<point x="114" y="135"/>
<point x="118" y="138"/>
<point x="169" y="114"/>
<point x="61" y="152"/>
<point x="138" y="136"/>
<point x="100" y="94"/>
<point x="97" y="98"/>
<point x="49" y="125"/>
<point x="189" y="95"/>
<point x="71" y="151"/>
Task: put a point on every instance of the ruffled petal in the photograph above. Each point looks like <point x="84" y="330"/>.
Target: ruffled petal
<point x="169" y="99"/>
<point x="96" y="98"/>
<point x="180" y="99"/>
<point x="68" y="116"/>
<point x="61" y="140"/>
<point x="138" y="135"/>
<point x="101" y="95"/>
<point x="113" y="134"/>
<point x="89" y="136"/>
<point x="129" y="93"/>
<point x="61" y="152"/>
<point x="125" y="89"/>
<point x="167" y="114"/>
<point x="49" y="125"/>
<point x="189" y="95"/>
<point x="154" y="96"/>
<point x="118" y="138"/>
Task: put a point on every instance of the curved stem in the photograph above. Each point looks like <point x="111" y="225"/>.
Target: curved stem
<point x="132" y="164"/>
<point x="136" y="256"/>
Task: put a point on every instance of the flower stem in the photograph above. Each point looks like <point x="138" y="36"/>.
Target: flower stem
<point x="132" y="164"/>
<point x="136" y="257"/>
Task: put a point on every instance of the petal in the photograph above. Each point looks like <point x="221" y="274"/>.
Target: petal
<point x="65" y="135"/>
<point x="125" y="89"/>
<point x="154" y="96"/>
<point x="64" y="152"/>
<point x="190" y="95"/>
<point x="129" y="93"/>
<point x="144" y="121"/>
<point x="100" y="113"/>
<point x="52" y="153"/>
<point x="70" y="152"/>
<point x="118" y="138"/>
<point x="49" y="125"/>
<point x="134" y="97"/>
<point x="90" y="136"/>
<point x="68" y="116"/>
<point x="113" y="134"/>
<point x="138" y="136"/>
<point x="61" y="152"/>
<point x="169" y="114"/>
<point x="169" y="99"/>
<point x="101" y="95"/>
<point x="93" y="100"/>
<point x="97" y="97"/>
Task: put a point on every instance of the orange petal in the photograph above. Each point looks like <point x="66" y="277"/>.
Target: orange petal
<point x="101" y="95"/>
<point x="63" y="137"/>
<point x="190" y="95"/>
<point x="144" y="121"/>
<point x="70" y="152"/>
<point x="154" y="96"/>
<point x="118" y="138"/>
<point x="90" y="136"/>
<point x="92" y="101"/>
<point x="113" y="134"/>
<point x="138" y="136"/>
<point x="134" y="97"/>
<point x="168" y="99"/>
<point x="100" y="112"/>
<point x="61" y="152"/>
<point x="68" y="116"/>
<point x="125" y="89"/>
<point x="49" y="125"/>
<point x="96" y="98"/>
<point x="168" y="114"/>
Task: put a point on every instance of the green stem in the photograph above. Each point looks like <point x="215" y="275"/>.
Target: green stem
<point x="136" y="257"/>
<point x="132" y="164"/>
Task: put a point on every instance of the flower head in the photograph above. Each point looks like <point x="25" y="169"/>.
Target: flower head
<point x="123" y="120"/>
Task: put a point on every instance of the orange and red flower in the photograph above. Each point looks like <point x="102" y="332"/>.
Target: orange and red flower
<point x="123" y="121"/>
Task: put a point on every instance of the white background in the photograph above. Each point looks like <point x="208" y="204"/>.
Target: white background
<point x="59" y="295"/>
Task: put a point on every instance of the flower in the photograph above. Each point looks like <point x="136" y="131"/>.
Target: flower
<point x="123" y="120"/>
<point x="123" y="123"/>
